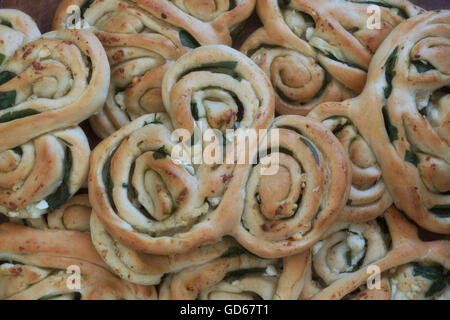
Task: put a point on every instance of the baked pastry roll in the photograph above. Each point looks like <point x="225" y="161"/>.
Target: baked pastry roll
<point x="318" y="51"/>
<point x="141" y="44"/>
<point x="414" y="269"/>
<point x="170" y="195"/>
<point x="141" y="268"/>
<point x="186" y="23"/>
<point x="152" y="202"/>
<point x="139" y="48"/>
<point x="288" y="210"/>
<point x="217" y="87"/>
<point x="38" y="264"/>
<point x="209" y="92"/>
<point x="51" y="83"/>
<point x="237" y="275"/>
<point x="146" y="199"/>
<point x="73" y="215"/>
<point x="369" y="196"/>
<point x="16" y="29"/>
<point x="138" y="64"/>
<point x="345" y="248"/>
<point x="402" y="117"/>
<point x="40" y="175"/>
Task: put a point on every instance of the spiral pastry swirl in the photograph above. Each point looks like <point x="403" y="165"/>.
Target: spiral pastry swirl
<point x="110" y="18"/>
<point x="35" y="264"/>
<point x="217" y="87"/>
<point x="16" y="29"/>
<point x="51" y="83"/>
<point x="139" y="50"/>
<point x="151" y="201"/>
<point x="138" y="64"/>
<point x="237" y="275"/>
<point x="319" y="51"/>
<point x="287" y="212"/>
<point x="301" y="79"/>
<point x="73" y="215"/>
<point x="369" y="196"/>
<point x="187" y="23"/>
<point x="414" y="269"/>
<point x="138" y="267"/>
<point x="345" y="248"/>
<point x="41" y="175"/>
<point x="407" y="130"/>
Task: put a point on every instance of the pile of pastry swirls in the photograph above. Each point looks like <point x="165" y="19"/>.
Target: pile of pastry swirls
<point x="351" y="97"/>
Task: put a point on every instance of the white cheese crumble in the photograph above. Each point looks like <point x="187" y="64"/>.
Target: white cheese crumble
<point x="355" y="242"/>
<point x="120" y="100"/>
<point x="324" y="46"/>
<point x="309" y="33"/>
<point x="317" y="247"/>
<point x="44" y="52"/>
<point x="42" y="205"/>
<point x="214" y="201"/>
<point x="13" y="214"/>
<point x="271" y="271"/>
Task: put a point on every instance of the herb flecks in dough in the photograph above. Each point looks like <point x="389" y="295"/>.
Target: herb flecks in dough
<point x="62" y="194"/>
<point x="221" y="64"/>
<point x="313" y="150"/>
<point x="188" y="40"/>
<point x="390" y="72"/>
<point x="7" y="99"/>
<point x="161" y="153"/>
<point x="442" y="211"/>
<point x="5" y="76"/>
<point x="411" y="157"/>
<point x="437" y="274"/>
<point x="391" y="130"/>
<point x="10" y="116"/>
<point x="422" y="67"/>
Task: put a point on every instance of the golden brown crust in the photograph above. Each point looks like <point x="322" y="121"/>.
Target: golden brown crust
<point x="237" y="274"/>
<point x="186" y="208"/>
<point x="139" y="47"/>
<point x="383" y="293"/>
<point x="191" y="79"/>
<point x="208" y="22"/>
<point x="299" y="78"/>
<point x="168" y="229"/>
<point x="318" y="51"/>
<point x="369" y="196"/>
<point x="138" y="64"/>
<point x="137" y="159"/>
<point x="73" y="215"/>
<point x="345" y="248"/>
<point x="39" y="243"/>
<point x="60" y="80"/>
<point x="16" y="29"/>
<point x="42" y="174"/>
<point x="406" y="249"/>
<point x="141" y="268"/>
<point x="289" y="211"/>
<point x="35" y="263"/>
<point x="114" y="18"/>
<point x="407" y="130"/>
